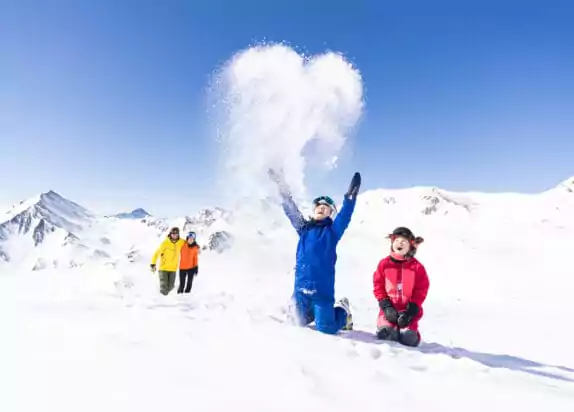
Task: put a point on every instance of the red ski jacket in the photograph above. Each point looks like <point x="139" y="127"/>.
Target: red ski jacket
<point x="403" y="282"/>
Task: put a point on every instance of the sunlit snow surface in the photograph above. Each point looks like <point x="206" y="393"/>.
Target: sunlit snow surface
<point x="496" y="328"/>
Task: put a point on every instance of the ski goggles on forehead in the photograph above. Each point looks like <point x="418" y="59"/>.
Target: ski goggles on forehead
<point x="191" y="235"/>
<point x="324" y="200"/>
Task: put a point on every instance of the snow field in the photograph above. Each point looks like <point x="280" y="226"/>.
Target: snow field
<point x="107" y="339"/>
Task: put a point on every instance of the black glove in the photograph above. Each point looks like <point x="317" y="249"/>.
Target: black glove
<point x="406" y="317"/>
<point x="354" y="186"/>
<point x="152" y="267"/>
<point x="389" y="310"/>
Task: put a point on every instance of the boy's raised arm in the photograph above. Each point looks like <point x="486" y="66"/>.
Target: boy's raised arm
<point x="344" y="216"/>
<point x="289" y="207"/>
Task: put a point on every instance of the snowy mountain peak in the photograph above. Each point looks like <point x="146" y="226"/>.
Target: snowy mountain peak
<point x="567" y="184"/>
<point x="50" y="194"/>
<point x="48" y="203"/>
<point x="207" y="217"/>
<point x="31" y="221"/>
<point x="138" y="213"/>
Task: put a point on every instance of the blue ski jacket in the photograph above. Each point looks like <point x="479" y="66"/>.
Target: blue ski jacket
<point x="317" y="248"/>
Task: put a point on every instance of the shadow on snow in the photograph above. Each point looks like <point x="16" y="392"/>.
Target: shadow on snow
<point x="491" y="360"/>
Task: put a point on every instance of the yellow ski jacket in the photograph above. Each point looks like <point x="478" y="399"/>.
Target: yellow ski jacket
<point x="168" y="252"/>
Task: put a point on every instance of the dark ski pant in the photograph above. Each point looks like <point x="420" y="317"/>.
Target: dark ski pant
<point x="328" y="319"/>
<point x="186" y="279"/>
<point x="166" y="282"/>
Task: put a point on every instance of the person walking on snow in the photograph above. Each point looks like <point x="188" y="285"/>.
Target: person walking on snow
<point x="188" y="265"/>
<point x="314" y="286"/>
<point x="401" y="285"/>
<point x="168" y="252"/>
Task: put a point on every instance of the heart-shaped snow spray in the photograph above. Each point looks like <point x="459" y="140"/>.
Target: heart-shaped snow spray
<point x="274" y="102"/>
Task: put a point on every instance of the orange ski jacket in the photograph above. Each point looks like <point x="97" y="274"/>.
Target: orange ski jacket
<point x="189" y="256"/>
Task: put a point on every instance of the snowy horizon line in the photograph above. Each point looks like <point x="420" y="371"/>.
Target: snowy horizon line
<point x="566" y="183"/>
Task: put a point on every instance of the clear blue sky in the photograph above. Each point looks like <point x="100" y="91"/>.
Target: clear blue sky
<point x="104" y="101"/>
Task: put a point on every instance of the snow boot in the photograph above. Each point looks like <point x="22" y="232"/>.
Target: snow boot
<point x="344" y="303"/>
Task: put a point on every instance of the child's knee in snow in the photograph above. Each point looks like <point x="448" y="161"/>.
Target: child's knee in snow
<point x="388" y="333"/>
<point x="328" y="329"/>
<point x="410" y="338"/>
<point x="303" y="319"/>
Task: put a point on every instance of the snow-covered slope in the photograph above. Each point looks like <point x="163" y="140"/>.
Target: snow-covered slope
<point x="495" y="328"/>
<point x="567" y="185"/>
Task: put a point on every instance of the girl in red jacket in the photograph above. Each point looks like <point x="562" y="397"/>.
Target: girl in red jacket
<point x="400" y="286"/>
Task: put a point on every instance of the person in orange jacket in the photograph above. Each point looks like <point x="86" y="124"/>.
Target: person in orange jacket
<point x="189" y="263"/>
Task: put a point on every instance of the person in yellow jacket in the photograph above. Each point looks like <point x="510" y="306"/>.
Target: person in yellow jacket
<point x="168" y="252"/>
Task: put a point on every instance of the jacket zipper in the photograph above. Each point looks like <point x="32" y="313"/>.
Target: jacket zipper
<point x="400" y="284"/>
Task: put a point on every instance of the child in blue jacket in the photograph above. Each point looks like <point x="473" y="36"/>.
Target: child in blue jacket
<point x="314" y="289"/>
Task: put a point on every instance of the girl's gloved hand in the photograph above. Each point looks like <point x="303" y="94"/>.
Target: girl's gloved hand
<point x="389" y="310"/>
<point x="406" y="317"/>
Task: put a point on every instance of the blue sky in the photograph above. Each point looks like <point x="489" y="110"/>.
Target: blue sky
<point x="104" y="101"/>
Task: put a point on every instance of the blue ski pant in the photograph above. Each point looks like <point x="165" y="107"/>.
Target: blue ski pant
<point x="328" y="319"/>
